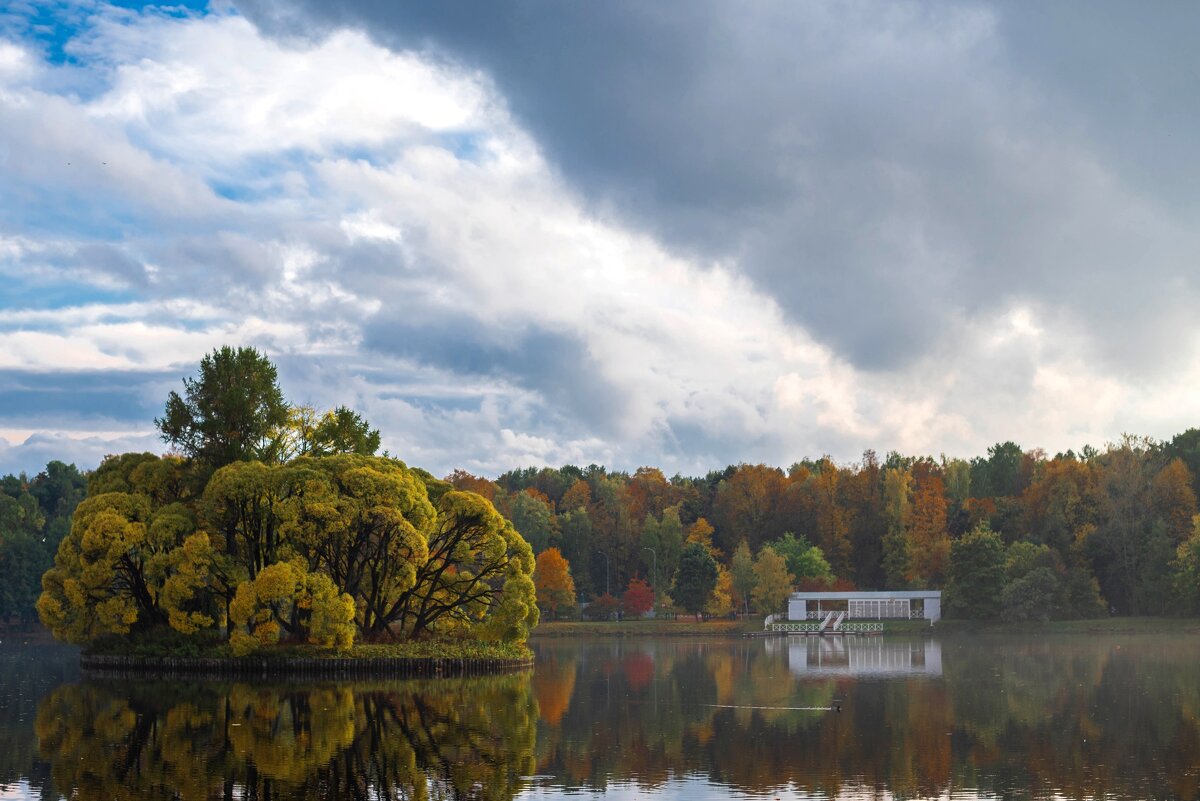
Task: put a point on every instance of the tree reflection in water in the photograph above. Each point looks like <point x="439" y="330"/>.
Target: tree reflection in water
<point x="1116" y="717"/>
<point x="1008" y="716"/>
<point x="450" y="739"/>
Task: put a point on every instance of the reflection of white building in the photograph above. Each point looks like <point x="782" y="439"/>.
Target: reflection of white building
<point x="867" y="605"/>
<point x="863" y="656"/>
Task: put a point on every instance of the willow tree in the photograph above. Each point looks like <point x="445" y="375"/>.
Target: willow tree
<point x="366" y="521"/>
<point x="478" y="576"/>
<point x="109" y="570"/>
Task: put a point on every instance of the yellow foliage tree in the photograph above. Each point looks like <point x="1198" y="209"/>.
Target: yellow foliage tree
<point x="720" y="603"/>
<point x="772" y="582"/>
<point x="285" y="597"/>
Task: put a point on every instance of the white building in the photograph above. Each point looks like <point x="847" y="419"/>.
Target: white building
<point x="867" y="605"/>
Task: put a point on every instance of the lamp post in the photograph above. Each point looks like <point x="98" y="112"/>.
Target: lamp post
<point x="653" y="553"/>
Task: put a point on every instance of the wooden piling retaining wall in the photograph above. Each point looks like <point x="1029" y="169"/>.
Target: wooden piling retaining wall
<point x="305" y="667"/>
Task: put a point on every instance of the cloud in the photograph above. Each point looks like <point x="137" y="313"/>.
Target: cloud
<point x="774" y="234"/>
<point x="882" y="174"/>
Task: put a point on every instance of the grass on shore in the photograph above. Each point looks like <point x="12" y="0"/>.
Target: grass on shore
<point x="210" y="645"/>
<point x="680" y="627"/>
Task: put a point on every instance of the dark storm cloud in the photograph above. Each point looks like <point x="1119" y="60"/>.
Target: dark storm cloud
<point x="554" y="364"/>
<point x="884" y="170"/>
<point x="39" y="397"/>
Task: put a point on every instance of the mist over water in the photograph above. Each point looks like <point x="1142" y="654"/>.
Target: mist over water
<point x="1004" y="716"/>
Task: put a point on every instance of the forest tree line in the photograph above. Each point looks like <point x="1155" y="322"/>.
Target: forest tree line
<point x="1014" y="532"/>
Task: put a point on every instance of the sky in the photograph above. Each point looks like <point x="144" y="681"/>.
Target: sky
<point x="536" y="233"/>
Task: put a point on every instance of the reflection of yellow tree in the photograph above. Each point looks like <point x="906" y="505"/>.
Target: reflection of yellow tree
<point x="450" y="738"/>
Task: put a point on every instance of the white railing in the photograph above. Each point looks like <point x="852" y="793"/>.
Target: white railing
<point x="796" y="627"/>
<point x="916" y="614"/>
<point x="862" y="627"/>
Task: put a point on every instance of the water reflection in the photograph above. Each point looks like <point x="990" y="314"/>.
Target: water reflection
<point x="863" y="656"/>
<point x="450" y="739"/>
<point x="1008" y="717"/>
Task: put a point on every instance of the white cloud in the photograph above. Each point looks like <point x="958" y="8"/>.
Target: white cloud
<point x="293" y="196"/>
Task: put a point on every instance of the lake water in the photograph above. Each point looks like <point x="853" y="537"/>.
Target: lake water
<point x="1074" y="716"/>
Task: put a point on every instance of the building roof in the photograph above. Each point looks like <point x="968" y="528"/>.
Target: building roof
<point x="865" y="595"/>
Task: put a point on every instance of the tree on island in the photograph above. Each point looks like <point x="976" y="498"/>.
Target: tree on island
<point x="229" y="413"/>
<point x="321" y="549"/>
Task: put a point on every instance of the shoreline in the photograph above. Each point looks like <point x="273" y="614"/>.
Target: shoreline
<point x="303" y="667"/>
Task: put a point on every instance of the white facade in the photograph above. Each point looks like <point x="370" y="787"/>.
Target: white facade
<point x="867" y="605"/>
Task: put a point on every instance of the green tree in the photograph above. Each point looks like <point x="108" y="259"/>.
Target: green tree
<point x="533" y="518"/>
<point x="976" y="575"/>
<point x="229" y="413"/>
<point x="804" y="561"/>
<point x="742" y="577"/>
<point x="344" y="431"/>
<point x="1185" y="572"/>
<point x="695" y="578"/>
<point x="773" y="583"/>
<point x="670" y="544"/>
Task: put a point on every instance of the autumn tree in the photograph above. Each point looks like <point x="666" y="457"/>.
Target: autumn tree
<point x="701" y="532"/>
<point x="1173" y="500"/>
<point x="831" y="526"/>
<point x="720" y="602"/>
<point x="745" y="505"/>
<point x="462" y="480"/>
<point x="553" y="582"/>
<point x="638" y="598"/>
<point x="772" y="582"/>
<point x="928" y="539"/>
<point x="286" y="598"/>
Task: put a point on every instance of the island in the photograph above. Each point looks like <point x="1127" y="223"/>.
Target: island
<point x="273" y="540"/>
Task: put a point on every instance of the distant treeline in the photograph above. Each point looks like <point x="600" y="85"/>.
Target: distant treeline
<point x="1014" y="533"/>
<point x="35" y="514"/>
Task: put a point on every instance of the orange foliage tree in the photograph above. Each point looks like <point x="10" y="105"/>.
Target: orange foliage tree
<point x="929" y="541"/>
<point x="553" y="582"/>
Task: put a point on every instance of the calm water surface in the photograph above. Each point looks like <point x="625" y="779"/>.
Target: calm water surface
<point x="1074" y="716"/>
